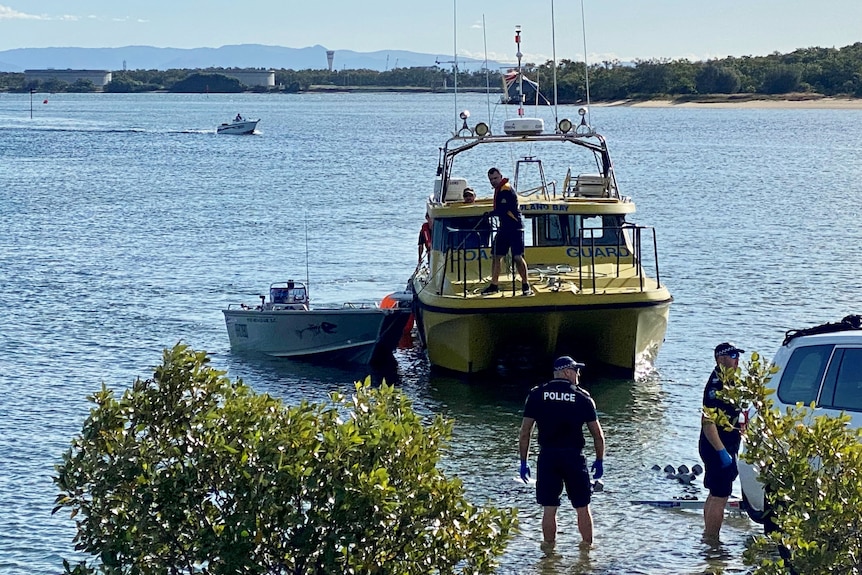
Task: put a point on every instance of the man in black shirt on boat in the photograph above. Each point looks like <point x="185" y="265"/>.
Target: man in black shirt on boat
<point x="510" y="234"/>
<point x="560" y="408"/>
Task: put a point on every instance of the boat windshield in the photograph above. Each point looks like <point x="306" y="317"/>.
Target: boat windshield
<point x="461" y="233"/>
<point x="542" y="230"/>
<point x="572" y="229"/>
<point x="288" y="294"/>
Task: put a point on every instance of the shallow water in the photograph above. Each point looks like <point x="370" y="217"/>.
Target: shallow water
<point x="128" y="224"/>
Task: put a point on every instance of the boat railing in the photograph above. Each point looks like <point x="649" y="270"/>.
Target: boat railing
<point x="463" y="260"/>
<point x="243" y="306"/>
<point x="456" y="256"/>
<point x="359" y="305"/>
<point x="634" y="259"/>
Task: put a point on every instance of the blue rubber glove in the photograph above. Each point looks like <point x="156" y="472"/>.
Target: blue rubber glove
<point x="525" y="471"/>
<point x="725" y="457"/>
<point x="598" y="469"/>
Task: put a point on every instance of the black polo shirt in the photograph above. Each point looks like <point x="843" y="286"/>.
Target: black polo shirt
<point x="731" y="438"/>
<point x="560" y="409"/>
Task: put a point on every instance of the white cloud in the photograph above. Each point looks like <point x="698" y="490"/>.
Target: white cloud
<point x="7" y="13"/>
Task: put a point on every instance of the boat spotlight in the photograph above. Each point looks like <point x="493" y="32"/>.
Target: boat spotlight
<point x="464" y="115"/>
<point x="582" y="112"/>
<point x="565" y="125"/>
<point x="482" y="129"/>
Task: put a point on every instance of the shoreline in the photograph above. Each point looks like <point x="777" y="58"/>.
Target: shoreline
<point x="791" y="101"/>
<point x="803" y="103"/>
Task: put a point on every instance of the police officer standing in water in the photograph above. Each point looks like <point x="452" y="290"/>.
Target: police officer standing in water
<point x="718" y="446"/>
<point x="560" y="408"/>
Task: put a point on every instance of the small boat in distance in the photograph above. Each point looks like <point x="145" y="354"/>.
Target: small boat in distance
<point x="238" y="126"/>
<point x="288" y="326"/>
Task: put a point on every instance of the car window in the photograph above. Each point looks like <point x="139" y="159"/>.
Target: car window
<point x="848" y="384"/>
<point x="801" y="379"/>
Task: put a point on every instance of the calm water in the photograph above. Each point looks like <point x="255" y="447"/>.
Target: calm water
<point x="127" y="225"/>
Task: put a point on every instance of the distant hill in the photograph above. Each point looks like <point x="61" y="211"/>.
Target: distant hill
<point x="239" y="56"/>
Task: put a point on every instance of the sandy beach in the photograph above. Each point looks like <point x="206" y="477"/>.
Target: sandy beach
<point x="809" y="103"/>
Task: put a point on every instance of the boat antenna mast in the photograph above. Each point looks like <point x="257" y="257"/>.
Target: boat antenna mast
<point x="454" y="60"/>
<point x="586" y="65"/>
<point x="455" y="50"/>
<point x="307" y="282"/>
<point x="487" y="73"/>
<point x="554" y="57"/>
<point x="519" y="55"/>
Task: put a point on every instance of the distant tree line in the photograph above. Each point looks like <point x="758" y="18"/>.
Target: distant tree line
<point x="824" y="71"/>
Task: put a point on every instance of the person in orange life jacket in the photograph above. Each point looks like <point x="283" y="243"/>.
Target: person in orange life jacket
<point x="425" y="239"/>
<point x="559" y="409"/>
<point x="510" y="234"/>
<point x="718" y="447"/>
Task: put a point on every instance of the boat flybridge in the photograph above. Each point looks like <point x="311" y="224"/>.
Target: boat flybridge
<point x="596" y="290"/>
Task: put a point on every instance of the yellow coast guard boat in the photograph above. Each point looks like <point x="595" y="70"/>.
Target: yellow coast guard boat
<point x="597" y="293"/>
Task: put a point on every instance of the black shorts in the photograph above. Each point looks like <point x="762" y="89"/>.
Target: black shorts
<point x="717" y="479"/>
<point x="506" y="240"/>
<point x="558" y="467"/>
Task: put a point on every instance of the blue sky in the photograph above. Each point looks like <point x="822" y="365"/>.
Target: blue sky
<point x="616" y="29"/>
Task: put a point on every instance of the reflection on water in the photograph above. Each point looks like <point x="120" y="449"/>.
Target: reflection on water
<point x="573" y="561"/>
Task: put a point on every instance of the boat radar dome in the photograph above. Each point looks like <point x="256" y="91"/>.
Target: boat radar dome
<point x="524" y="126"/>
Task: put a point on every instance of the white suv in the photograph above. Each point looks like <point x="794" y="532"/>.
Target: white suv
<point x="822" y="364"/>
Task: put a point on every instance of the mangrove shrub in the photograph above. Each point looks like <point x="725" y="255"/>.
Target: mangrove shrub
<point x="811" y="467"/>
<point x="188" y="472"/>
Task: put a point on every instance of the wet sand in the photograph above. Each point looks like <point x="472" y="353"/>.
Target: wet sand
<point x="800" y="103"/>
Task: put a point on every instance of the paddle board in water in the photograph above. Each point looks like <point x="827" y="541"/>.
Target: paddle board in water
<point x="685" y="503"/>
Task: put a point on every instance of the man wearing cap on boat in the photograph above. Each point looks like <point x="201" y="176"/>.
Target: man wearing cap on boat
<point x="559" y="409"/>
<point x="718" y="446"/>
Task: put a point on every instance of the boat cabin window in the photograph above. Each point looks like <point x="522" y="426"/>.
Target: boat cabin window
<point x="566" y="229"/>
<point x="287" y="294"/>
<point x="546" y="230"/>
<point x="461" y="233"/>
